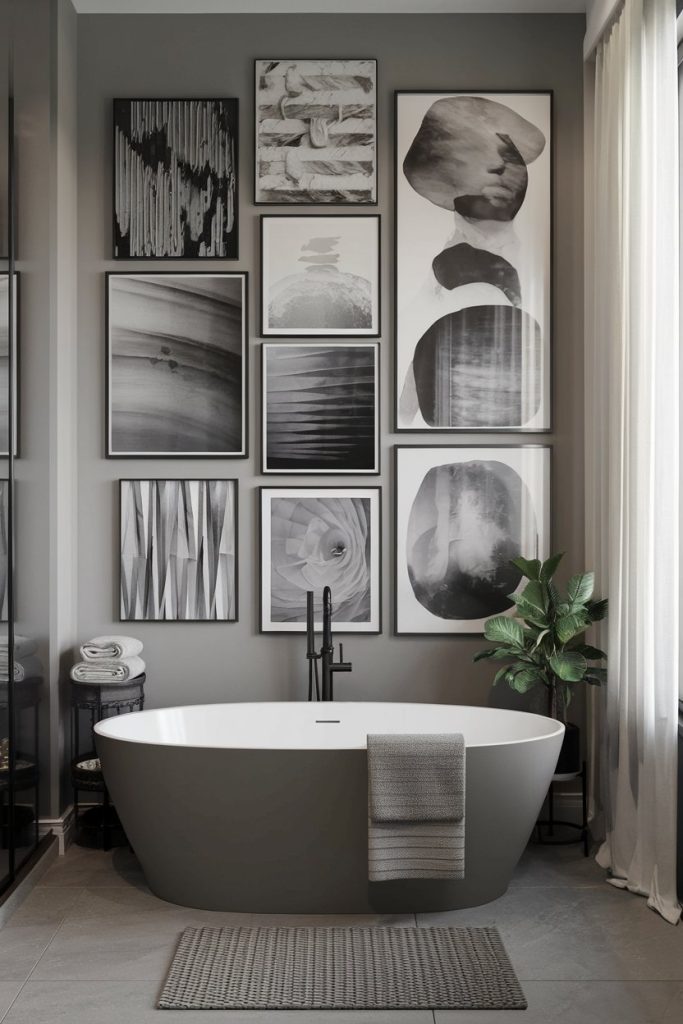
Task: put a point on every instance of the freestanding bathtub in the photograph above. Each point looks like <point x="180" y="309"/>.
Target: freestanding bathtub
<point x="262" y="808"/>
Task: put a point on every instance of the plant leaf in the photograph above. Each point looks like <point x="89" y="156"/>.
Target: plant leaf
<point x="500" y="674"/>
<point x="569" y="626"/>
<point x="503" y="630"/>
<point x="597" y="610"/>
<point x="589" y="652"/>
<point x="553" y="593"/>
<point x="488" y="653"/>
<point x="549" y="567"/>
<point x="580" y="587"/>
<point x="524" y="679"/>
<point x="530" y="568"/>
<point x="535" y="597"/>
<point x="568" y="666"/>
<point x="597" y="672"/>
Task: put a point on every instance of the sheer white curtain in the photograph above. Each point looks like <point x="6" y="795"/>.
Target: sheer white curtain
<point x="632" y="450"/>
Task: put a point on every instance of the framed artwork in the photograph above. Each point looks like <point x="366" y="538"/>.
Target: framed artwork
<point x="320" y="407"/>
<point x="5" y="361"/>
<point x="461" y="514"/>
<point x="312" y="537"/>
<point x="316" y="131"/>
<point x="178" y="550"/>
<point x="175" y="179"/>
<point x="320" y="276"/>
<point x="473" y="261"/>
<point x="177" y="360"/>
<point x="4" y="550"/>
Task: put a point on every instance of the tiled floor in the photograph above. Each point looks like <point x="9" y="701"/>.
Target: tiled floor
<point x="91" y="945"/>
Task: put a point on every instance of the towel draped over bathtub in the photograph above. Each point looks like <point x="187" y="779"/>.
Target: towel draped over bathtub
<point x="416" y="806"/>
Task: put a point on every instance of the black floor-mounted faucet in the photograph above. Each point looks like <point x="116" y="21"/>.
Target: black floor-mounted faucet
<point x="326" y="653"/>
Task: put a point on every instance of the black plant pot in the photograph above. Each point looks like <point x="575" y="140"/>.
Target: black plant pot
<point x="570" y="753"/>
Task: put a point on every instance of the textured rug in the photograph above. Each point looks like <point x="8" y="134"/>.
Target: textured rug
<point x="340" y="969"/>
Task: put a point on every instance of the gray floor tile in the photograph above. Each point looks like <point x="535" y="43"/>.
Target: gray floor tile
<point x="8" y="993"/>
<point x="110" y="1002"/>
<point x="570" y="934"/>
<point x="562" y="865"/>
<point x="84" y="867"/>
<point x="21" y="947"/>
<point x="595" y="1002"/>
<point x="46" y="906"/>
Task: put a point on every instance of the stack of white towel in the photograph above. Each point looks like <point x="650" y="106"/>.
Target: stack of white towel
<point x="27" y="664"/>
<point x="109" y="659"/>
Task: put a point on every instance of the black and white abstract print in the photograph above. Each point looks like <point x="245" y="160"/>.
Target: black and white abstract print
<point x="473" y="205"/>
<point x="320" y="276"/>
<point x="316" y="131"/>
<point x="312" y="538"/>
<point x="462" y="514"/>
<point x="177" y="364"/>
<point x="178" y="550"/>
<point x="175" y="178"/>
<point x="320" y="408"/>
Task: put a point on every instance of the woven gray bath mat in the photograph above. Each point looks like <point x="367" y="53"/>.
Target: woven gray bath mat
<point x="340" y="969"/>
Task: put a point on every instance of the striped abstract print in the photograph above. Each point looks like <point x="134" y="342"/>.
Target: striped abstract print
<point x="320" y="408"/>
<point x="316" y="131"/>
<point x="178" y="550"/>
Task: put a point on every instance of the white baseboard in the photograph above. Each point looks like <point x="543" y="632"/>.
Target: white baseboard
<point x="61" y="827"/>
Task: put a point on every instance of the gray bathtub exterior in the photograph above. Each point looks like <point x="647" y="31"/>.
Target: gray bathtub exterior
<point x="285" y="831"/>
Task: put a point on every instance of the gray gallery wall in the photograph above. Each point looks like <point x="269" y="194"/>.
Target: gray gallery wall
<point x="212" y="55"/>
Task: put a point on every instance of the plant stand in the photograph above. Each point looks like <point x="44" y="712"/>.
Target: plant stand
<point x="98" y="824"/>
<point x="545" y="827"/>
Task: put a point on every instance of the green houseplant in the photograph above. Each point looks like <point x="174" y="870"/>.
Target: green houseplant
<point x="543" y="644"/>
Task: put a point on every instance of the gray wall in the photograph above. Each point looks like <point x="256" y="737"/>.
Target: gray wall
<point x="212" y="55"/>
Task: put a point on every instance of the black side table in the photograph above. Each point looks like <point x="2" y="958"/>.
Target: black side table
<point x="25" y="699"/>
<point x="545" y="827"/>
<point x="95" y="701"/>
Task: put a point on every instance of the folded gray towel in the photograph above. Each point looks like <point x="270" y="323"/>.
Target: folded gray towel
<point x="416" y="807"/>
<point x="115" y="670"/>
<point x="109" y="648"/>
<point x="417" y="777"/>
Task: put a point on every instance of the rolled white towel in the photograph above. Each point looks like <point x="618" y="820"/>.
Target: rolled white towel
<point x="27" y="668"/>
<point x="24" y="646"/>
<point x="115" y="670"/>
<point x="111" y="648"/>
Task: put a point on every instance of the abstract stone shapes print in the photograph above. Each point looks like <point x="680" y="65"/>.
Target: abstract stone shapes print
<point x="470" y="155"/>
<point x="479" y="367"/>
<point x="463" y="264"/>
<point x="465" y="525"/>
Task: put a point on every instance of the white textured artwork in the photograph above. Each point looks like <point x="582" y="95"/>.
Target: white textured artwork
<point x="317" y="537"/>
<point x="175" y="178"/>
<point x="179" y="550"/>
<point x="316" y="131"/>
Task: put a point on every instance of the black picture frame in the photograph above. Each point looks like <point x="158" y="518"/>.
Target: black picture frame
<point x="399" y="537"/>
<point x="278" y="346"/>
<point x="299" y="629"/>
<point x="154" y="272"/>
<point x="549" y="427"/>
<point x="317" y="202"/>
<point x="15" y="363"/>
<point x="235" y="486"/>
<point x="334" y="332"/>
<point x="232" y="105"/>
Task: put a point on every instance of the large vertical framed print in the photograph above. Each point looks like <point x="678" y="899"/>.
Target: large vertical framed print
<point x="313" y="537"/>
<point x="473" y="261"/>
<point x="462" y="513"/>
